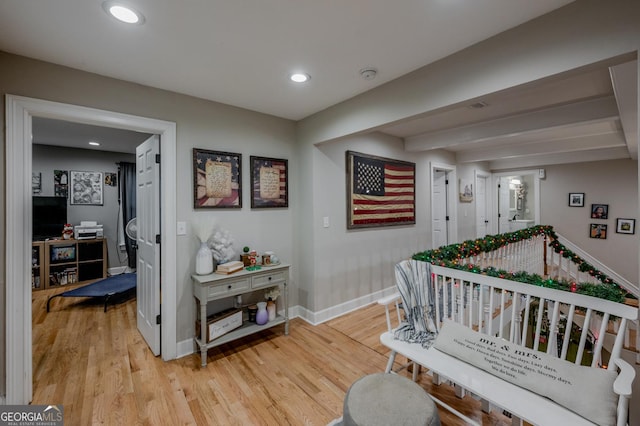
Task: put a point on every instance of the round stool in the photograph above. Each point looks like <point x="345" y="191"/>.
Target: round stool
<point x="388" y="399"/>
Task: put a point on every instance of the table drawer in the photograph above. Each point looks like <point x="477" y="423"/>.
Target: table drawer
<point x="228" y="288"/>
<point x="267" y="280"/>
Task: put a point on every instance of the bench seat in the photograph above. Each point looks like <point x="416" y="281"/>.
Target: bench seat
<point x="522" y="403"/>
<point x="541" y="323"/>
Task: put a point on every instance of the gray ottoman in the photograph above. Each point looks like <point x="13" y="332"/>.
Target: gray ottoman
<point x="388" y="399"/>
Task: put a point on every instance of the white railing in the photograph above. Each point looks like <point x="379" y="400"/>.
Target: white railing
<point x="535" y="256"/>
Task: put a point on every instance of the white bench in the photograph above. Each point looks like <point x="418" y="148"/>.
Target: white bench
<point x="503" y="309"/>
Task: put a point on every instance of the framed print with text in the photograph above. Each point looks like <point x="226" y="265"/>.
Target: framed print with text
<point x="217" y="179"/>
<point x="269" y="182"/>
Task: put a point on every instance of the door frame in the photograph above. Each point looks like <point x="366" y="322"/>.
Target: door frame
<point x="452" y="225"/>
<point x="495" y="177"/>
<point x="18" y="165"/>
<point x="488" y="193"/>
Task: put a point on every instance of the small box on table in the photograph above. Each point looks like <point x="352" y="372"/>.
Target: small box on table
<point x="221" y="323"/>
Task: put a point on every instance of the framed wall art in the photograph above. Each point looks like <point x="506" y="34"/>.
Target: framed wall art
<point x="625" y="226"/>
<point x="217" y="179"/>
<point x="599" y="211"/>
<point x="269" y="182"/>
<point x="86" y="188"/>
<point x="598" y="230"/>
<point x="465" y="191"/>
<point x="576" y="199"/>
<point x="380" y="191"/>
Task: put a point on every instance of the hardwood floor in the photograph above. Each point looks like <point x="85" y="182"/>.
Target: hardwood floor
<point x="98" y="366"/>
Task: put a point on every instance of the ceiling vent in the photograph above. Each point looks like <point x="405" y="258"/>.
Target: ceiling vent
<point x="479" y="105"/>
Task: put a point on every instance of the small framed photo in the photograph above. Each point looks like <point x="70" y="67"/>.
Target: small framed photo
<point x="625" y="226"/>
<point x="217" y="179"/>
<point x="269" y="182"/>
<point x="576" y="199"/>
<point x="598" y="230"/>
<point x="599" y="211"/>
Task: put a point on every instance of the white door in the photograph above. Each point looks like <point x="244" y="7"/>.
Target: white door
<point x="439" y="219"/>
<point x="148" y="221"/>
<point x="504" y="220"/>
<point x="482" y="214"/>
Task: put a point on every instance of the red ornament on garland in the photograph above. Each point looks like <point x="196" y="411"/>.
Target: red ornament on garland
<point x="574" y="287"/>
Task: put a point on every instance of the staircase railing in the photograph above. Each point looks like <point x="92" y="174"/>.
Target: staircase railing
<point x="536" y="256"/>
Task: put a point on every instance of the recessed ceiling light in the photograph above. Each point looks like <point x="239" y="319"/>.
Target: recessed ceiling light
<point x="299" y="77"/>
<point x="94" y="143"/>
<point x="123" y="13"/>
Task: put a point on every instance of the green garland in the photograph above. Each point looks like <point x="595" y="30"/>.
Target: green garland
<point x="450" y="256"/>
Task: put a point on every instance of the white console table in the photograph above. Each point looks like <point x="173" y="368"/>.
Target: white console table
<point x="207" y="288"/>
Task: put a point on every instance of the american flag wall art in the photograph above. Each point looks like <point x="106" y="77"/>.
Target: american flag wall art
<point x="380" y="191"/>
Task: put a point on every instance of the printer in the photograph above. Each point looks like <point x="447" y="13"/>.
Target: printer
<point x="88" y="230"/>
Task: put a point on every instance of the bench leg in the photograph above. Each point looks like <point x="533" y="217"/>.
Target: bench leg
<point x="415" y="372"/>
<point x="437" y="380"/>
<point x="392" y="358"/>
<point x="486" y="406"/>
<point x="459" y="391"/>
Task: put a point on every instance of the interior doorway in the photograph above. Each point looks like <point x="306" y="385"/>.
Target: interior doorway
<point x="19" y="115"/>
<point x="443" y="205"/>
<point x="517" y="204"/>
<point x="483" y="203"/>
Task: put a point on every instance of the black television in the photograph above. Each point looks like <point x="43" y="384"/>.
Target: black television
<point x="49" y="217"/>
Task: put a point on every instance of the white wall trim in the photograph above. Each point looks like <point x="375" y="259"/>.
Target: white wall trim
<point x="18" y="165"/>
<point x="452" y="200"/>
<point x="332" y="312"/>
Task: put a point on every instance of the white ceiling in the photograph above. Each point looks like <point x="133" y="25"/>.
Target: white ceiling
<point x="241" y="52"/>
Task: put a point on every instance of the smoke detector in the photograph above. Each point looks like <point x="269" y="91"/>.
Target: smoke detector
<point x="368" y="73"/>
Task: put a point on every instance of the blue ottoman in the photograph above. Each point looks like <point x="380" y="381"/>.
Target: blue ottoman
<point x="388" y="399"/>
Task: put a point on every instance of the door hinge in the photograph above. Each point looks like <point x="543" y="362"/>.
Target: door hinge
<point x="499" y="215"/>
<point x="157" y="238"/>
<point x="157" y="158"/>
<point x="447" y="218"/>
<point x="446" y="181"/>
<point x="158" y="319"/>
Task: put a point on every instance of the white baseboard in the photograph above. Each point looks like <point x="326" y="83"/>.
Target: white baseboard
<point x="3" y="400"/>
<point x="324" y="315"/>
<point x="188" y="346"/>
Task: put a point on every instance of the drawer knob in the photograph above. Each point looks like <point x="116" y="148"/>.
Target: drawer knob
<point x="269" y="278"/>
<point x="229" y="286"/>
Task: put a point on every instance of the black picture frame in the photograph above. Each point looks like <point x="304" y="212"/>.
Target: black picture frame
<point x="269" y="182"/>
<point x="598" y="231"/>
<point x="599" y="211"/>
<point x="625" y="226"/>
<point x="217" y="179"/>
<point x="576" y="199"/>
<point x="380" y="191"/>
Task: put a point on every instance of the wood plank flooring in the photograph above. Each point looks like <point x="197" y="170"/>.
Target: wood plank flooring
<point x="98" y="366"/>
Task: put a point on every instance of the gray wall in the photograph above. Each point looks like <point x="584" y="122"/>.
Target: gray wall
<point x="46" y="159"/>
<point x="200" y="124"/>
<point x="604" y="182"/>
